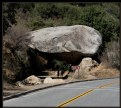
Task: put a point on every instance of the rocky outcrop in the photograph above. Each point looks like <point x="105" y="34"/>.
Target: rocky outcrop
<point x="78" y="38"/>
<point x="86" y="65"/>
<point x="65" y="43"/>
<point x="32" y="80"/>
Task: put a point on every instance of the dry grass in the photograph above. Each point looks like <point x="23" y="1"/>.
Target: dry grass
<point x="103" y="71"/>
<point x="111" y="55"/>
<point x="14" y="51"/>
<point x="16" y="37"/>
<point x="100" y="71"/>
<point x="110" y="66"/>
<point x="79" y="74"/>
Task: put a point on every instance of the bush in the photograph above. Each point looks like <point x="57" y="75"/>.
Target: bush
<point x="15" y="58"/>
<point x="53" y="14"/>
<point x="35" y="23"/>
<point x="98" y="18"/>
<point x="8" y="15"/>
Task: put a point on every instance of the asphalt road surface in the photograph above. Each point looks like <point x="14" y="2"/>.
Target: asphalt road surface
<point x="89" y="93"/>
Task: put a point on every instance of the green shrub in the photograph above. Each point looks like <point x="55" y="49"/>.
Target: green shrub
<point x="96" y="17"/>
<point x="35" y="23"/>
<point x="60" y="65"/>
<point x="8" y="10"/>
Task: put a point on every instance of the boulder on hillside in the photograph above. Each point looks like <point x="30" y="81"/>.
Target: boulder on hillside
<point x="32" y="80"/>
<point x="87" y="64"/>
<point x="78" y="38"/>
<point x="65" y="43"/>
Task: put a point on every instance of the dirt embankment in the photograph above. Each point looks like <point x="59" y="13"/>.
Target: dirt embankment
<point x="105" y="72"/>
<point x="100" y="71"/>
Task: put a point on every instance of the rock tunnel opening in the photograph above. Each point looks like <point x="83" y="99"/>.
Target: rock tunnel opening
<point x="41" y="61"/>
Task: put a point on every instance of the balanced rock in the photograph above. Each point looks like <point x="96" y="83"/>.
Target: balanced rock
<point x="78" y="38"/>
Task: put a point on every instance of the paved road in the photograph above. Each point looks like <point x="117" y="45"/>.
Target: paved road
<point x="90" y="93"/>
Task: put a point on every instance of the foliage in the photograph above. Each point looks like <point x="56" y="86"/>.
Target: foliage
<point x="35" y="23"/>
<point x="8" y="15"/>
<point x="25" y="6"/>
<point x="15" y="56"/>
<point x="53" y="14"/>
<point x="60" y="65"/>
<point x="102" y="16"/>
<point x="96" y="17"/>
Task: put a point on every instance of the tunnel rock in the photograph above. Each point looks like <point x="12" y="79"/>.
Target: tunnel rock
<point x="65" y="43"/>
<point x="78" y="38"/>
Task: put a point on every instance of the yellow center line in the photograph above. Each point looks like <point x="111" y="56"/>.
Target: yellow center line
<point x="105" y="85"/>
<point x="83" y="94"/>
<point x="87" y="92"/>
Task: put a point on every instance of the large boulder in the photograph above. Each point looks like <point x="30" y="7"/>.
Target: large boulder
<point x="32" y="80"/>
<point x="87" y="64"/>
<point x="78" y="38"/>
<point x="85" y="67"/>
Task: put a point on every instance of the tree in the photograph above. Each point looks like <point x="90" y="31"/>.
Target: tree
<point x="8" y="15"/>
<point x="97" y="17"/>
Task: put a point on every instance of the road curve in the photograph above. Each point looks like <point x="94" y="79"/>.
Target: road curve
<point x="89" y="93"/>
